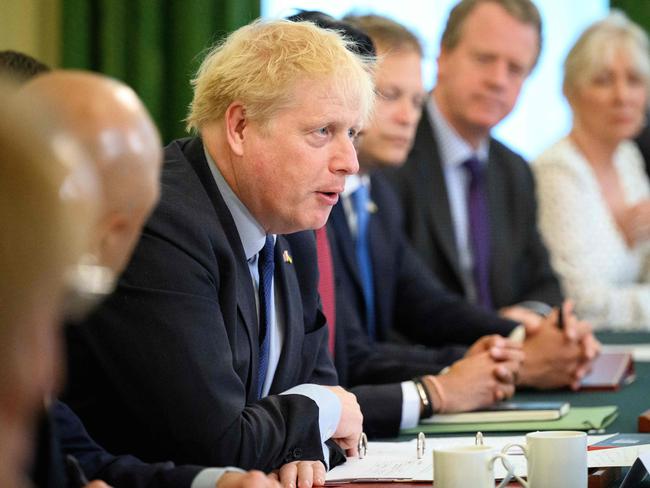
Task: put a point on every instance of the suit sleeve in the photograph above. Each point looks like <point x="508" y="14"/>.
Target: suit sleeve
<point x="124" y="470"/>
<point x="428" y="314"/>
<point x="175" y="364"/>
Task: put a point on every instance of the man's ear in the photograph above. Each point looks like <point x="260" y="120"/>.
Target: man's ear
<point x="236" y="123"/>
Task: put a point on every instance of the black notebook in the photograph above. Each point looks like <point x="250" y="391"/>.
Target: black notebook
<point x="505" y="412"/>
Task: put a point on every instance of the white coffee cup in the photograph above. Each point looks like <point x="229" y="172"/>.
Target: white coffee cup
<point x="556" y="458"/>
<point x="463" y="466"/>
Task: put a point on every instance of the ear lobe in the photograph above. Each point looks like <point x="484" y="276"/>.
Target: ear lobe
<point x="236" y="122"/>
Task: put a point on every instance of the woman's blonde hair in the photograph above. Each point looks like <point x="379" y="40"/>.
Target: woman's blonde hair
<point x="599" y="43"/>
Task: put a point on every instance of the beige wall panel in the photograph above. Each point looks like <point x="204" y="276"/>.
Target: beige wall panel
<point x="31" y="26"/>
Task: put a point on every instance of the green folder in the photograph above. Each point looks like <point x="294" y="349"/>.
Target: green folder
<point x="578" y="418"/>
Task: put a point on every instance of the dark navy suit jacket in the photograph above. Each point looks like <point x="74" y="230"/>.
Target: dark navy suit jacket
<point x="408" y="300"/>
<point x="166" y="368"/>
<point x="61" y="433"/>
<point x="520" y="268"/>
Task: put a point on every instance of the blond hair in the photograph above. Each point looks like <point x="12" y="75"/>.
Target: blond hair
<point x="599" y="43"/>
<point x="260" y="63"/>
<point x="385" y="33"/>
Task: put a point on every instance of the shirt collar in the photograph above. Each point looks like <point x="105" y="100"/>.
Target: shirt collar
<point x="352" y="182"/>
<point x="251" y="233"/>
<point x="454" y="150"/>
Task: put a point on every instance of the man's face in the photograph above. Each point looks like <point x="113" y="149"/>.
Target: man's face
<point x="389" y="137"/>
<point x="293" y="168"/>
<point x="480" y="78"/>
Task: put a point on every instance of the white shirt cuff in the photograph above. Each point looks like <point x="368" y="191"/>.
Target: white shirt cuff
<point x="410" y="405"/>
<point x="207" y="478"/>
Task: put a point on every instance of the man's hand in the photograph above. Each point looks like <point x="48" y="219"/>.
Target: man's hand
<point x="301" y="474"/>
<point x="97" y="484"/>
<point x="528" y="318"/>
<point x="556" y="357"/>
<point x="252" y="479"/>
<point x="500" y="348"/>
<point x="351" y="424"/>
<point x="474" y="382"/>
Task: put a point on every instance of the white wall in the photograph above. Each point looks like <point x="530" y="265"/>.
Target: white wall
<point x="541" y="116"/>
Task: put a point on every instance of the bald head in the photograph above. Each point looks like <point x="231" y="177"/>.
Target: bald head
<point x="108" y="118"/>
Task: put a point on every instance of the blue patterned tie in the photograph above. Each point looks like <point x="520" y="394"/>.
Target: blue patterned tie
<point x="265" y="266"/>
<point x="360" y="200"/>
<point x="479" y="230"/>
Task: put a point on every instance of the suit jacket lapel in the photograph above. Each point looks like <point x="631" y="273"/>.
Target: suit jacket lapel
<point x="345" y="242"/>
<point x="438" y="208"/>
<point x="286" y="284"/>
<point x="378" y="253"/>
<point x="245" y="289"/>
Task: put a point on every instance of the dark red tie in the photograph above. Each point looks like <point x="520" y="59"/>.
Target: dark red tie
<point x="326" y="283"/>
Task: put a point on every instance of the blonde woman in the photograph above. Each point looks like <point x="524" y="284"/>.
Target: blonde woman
<point x="594" y="197"/>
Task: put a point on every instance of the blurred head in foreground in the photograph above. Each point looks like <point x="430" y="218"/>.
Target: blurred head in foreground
<point x="47" y="204"/>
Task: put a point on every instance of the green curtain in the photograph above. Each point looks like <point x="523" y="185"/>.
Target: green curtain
<point x="637" y="10"/>
<point x="155" y="46"/>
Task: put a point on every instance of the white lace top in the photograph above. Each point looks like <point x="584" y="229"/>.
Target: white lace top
<point x="609" y="282"/>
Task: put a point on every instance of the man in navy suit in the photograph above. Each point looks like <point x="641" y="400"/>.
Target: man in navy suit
<point x="469" y="201"/>
<point x="406" y="296"/>
<point x="87" y="107"/>
<point x="405" y="293"/>
<point x="213" y="348"/>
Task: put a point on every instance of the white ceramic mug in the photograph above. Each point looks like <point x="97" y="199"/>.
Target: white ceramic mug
<point x="556" y="458"/>
<point x="463" y="466"/>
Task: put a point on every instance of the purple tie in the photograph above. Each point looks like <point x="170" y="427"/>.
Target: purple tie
<point x="479" y="230"/>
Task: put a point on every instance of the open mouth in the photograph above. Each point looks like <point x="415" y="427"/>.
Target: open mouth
<point x="330" y="197"/>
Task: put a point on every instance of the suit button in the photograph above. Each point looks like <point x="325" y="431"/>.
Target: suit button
<point x="297" y="453"/>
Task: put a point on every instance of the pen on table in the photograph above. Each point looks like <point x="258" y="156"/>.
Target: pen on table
<point x="77" y="475"/>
